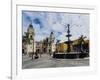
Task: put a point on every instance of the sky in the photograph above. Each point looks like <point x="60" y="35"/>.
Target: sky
<point x="46" y="22"/>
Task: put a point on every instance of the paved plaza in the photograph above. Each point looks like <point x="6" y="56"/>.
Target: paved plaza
<point x="46" y="61"/>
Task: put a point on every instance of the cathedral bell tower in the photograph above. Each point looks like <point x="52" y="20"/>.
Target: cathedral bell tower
<point x="30" y="39"/>
<point x="52" y="46"/>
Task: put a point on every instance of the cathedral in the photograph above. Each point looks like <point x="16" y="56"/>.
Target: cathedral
<point x="30" y="46"/>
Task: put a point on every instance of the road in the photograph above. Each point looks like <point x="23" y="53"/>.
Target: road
<point x="46" y="61"/>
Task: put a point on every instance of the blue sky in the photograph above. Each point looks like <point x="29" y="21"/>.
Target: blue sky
<point x="45" y="22"/>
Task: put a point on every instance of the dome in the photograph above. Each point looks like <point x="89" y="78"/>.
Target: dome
<point x="30" y="26"/>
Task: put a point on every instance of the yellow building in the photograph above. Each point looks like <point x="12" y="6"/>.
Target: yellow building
<point x="62" y="47"/>
<point x="76" y="43"/>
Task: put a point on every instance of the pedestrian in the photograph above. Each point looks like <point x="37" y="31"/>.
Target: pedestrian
<point x="32" y="55"/>
<point x="36" y="55"/>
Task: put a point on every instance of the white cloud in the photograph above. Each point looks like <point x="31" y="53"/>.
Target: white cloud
<point x="58" y="27"/>
<point x="55" y="22"/>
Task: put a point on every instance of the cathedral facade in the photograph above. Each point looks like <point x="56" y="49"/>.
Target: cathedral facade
<point x="30" y="46"/>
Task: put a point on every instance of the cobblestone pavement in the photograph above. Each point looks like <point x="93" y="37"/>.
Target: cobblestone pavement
<point x="46" y="61"/>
